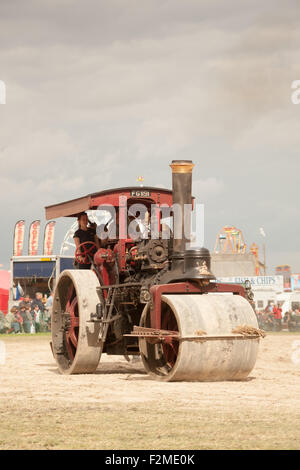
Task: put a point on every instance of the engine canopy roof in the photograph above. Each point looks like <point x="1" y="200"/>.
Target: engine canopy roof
<point x="130" y="195"/>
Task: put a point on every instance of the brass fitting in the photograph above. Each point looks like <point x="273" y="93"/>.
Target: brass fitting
<point x="182" y="166"/>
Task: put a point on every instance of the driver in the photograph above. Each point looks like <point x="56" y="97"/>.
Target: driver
<point x="86" y="233"/>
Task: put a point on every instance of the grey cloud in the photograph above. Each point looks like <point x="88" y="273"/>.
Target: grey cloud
<point x="100" y="92"/>
<point x="101" y="22"/>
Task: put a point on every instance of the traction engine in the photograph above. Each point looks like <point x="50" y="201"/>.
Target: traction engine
<point x="151" y="295"/>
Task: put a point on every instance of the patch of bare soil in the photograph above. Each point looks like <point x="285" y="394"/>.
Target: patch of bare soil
<point x="30" y="381"/>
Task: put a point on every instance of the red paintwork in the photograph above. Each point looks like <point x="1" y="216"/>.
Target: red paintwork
<point x="92" y="201"/>
<point x="72" y="334"/>
<point x="126" y="198"/>
<point x="123" y="200"/>
<point x="84" y="251"/>
<point x="120" y="251"/>
<point x="104" y="255"/>
<point x="104" y="259"/>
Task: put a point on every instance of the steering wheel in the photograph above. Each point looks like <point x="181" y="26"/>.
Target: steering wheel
<point x="83" y="253"/>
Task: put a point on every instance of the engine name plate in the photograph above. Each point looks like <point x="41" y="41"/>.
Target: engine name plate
<point x="140" y="193"/>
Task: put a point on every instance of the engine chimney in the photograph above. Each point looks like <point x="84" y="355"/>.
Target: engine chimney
<point x="182" y="195"/>
<point x="187" y="264"/>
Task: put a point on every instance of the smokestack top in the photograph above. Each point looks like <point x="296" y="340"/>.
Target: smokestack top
<point x="182" y="166"/>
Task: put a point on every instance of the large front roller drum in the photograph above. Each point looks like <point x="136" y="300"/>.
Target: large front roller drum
<point x="74" y="338"/>
<point x="214" y="360"/>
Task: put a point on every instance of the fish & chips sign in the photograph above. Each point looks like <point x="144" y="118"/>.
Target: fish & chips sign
<point x="257" y="282"/>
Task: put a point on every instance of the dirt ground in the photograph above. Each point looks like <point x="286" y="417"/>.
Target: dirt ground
<point x="120" y="407"/>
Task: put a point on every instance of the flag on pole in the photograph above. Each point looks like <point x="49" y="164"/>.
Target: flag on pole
<point x="33" y="242"/>
<point x="19" y="292"/>
<point x="19" y="238"/>
<point x="49" y="238"/>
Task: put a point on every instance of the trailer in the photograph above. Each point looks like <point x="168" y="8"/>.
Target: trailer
<point x="31" y="274"/>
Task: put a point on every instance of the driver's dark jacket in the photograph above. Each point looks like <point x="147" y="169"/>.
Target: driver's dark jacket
<point x="85" y="235"/>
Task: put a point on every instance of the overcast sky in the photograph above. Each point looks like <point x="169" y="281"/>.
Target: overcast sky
<point x="99" y="92"/>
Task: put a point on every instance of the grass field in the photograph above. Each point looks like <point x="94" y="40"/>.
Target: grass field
<point x="138" y="427"/>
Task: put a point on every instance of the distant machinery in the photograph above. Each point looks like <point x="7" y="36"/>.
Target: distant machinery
<point x="254" y="251"/>
<point x="230" y="240"/>
<point x="285" y="271"/>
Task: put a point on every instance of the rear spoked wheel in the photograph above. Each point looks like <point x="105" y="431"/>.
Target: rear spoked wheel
<point x="74" y="338"/>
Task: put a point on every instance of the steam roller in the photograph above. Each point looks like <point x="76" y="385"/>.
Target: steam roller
<point x="147" y="292"/>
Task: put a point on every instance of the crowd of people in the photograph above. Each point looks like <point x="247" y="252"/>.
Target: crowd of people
<point x="272" y="319"/>
<point x="28" y="315"/>
<point x="33" y="316"/>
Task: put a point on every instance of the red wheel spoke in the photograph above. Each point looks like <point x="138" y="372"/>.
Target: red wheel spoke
<point x="73" y="338"/>
<point x="72" y="332"/>
<point x="73" y="305"/>
<point x="75" y="322"/>
<point x="69" y="346"/>
<point x="69" y="297"/>
<point x="170" y="349"/>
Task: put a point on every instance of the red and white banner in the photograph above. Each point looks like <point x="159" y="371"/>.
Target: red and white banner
<point x="33" y="243"/>
<point x="49" y="238"/>
<point x="19" y="238"/>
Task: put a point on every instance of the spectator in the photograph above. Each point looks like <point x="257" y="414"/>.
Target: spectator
<point x="17" y="322"/>
<point x="48" y="309"/>
<point x="25" y="302"/>
<point x="2" y="323"/>
<point x="37" y="315"/>
<point x="38" y="301"/>
<point x="27" y="320"/>
<point x="268" y="321"/>
<point x="260" y="319"/>
<point x="269" y="307"/>
<point x="297" y="319"/>
<point x="9" y="319"/>
<point x="285" y="320"/>
<point x="22" y="312"/>
<point x="44" y="300"/>
<point x="291" y="321"/>
<point x="50" y="300"/>
<point x="277" y="312"/>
